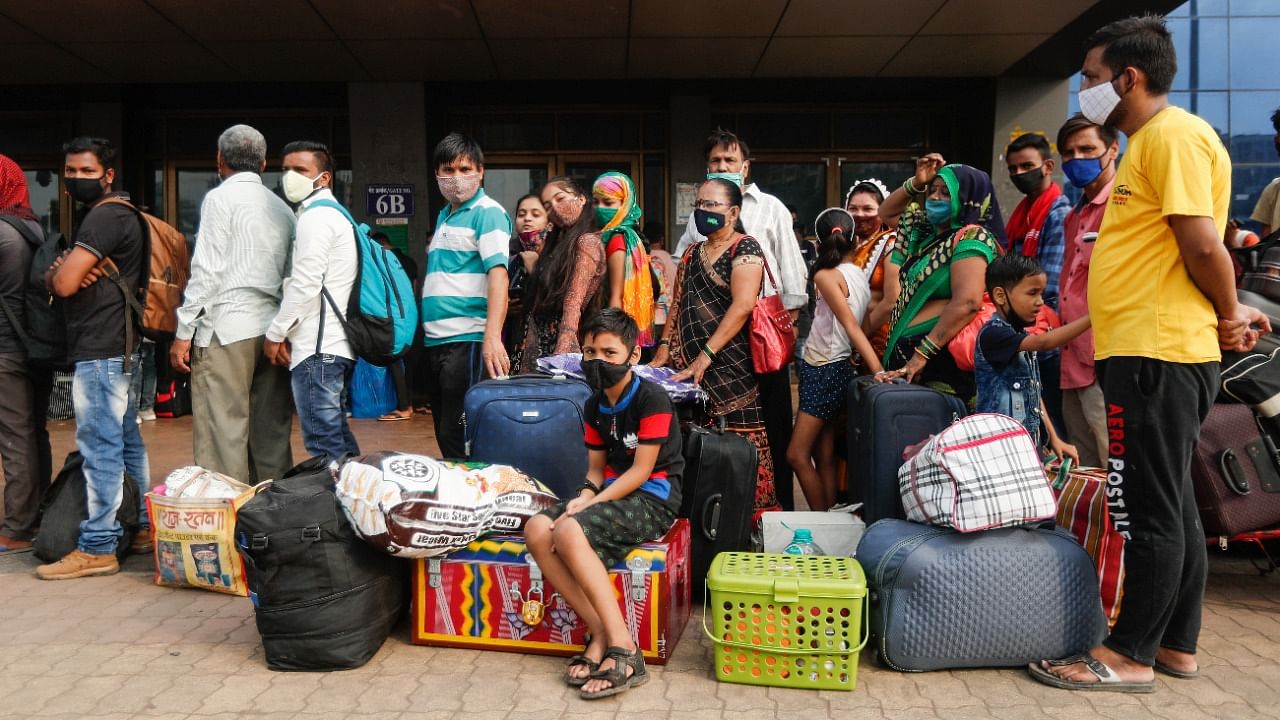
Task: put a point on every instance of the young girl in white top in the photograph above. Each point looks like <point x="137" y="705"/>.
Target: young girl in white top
<point x="836" y="345"/>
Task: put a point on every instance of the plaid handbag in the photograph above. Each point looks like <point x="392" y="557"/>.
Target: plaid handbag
<point x="983" y="472"/>
<point x="1082" y="510"/>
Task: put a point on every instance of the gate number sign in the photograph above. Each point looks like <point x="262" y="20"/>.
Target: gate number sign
<point x="389" y="200"/>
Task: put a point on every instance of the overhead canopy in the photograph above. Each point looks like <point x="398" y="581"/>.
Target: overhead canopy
<point x="141" y="41"/>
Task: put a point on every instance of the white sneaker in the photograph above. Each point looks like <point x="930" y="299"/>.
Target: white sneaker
<point x="147" y="415"/>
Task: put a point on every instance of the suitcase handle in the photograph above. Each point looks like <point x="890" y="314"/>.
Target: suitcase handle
<point x="866" y="633"/>
<point x="1232" y="472"/>
<point x="711" y="516"/>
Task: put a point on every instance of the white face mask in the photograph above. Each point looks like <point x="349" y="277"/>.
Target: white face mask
<point x="298" y="186"/>
<point x="1098" y="102"/>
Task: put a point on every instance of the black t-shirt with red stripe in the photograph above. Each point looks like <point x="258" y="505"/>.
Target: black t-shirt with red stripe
<point x="643" y="415"/>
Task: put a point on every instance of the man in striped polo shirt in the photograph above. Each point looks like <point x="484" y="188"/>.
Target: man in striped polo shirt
<point x="464" y="295"/>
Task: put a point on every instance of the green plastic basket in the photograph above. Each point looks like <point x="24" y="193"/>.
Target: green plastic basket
<point x="786" y="620"/>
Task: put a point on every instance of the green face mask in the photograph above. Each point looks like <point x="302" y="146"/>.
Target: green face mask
<point x="735" y="178"/>
<point x="605" y="215"/>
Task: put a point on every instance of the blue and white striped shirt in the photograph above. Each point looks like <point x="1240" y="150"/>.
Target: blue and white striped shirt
<point x="468" y="243"/>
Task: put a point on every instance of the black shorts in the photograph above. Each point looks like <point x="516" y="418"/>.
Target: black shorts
<point x="616" y="527"/>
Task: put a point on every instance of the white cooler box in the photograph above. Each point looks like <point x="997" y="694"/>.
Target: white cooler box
<point x="837" y="533"/>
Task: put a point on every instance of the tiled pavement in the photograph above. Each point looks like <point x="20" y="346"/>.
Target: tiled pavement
<point x="119" y="647"/>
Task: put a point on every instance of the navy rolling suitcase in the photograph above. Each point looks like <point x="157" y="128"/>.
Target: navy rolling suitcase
<point x="532" y="422"/>
<point x="998" y="598"/>
<point x="719" y="497"/>
<point x="884" y="420"/>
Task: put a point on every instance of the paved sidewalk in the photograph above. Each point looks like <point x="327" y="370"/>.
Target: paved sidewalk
<point x="120" y="647"/>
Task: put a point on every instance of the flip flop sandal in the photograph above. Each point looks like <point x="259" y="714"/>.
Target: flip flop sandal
<point x="1174" y="672"/>
<point x="1108" y="680"/>
<point x="394" y="416"/>
<point x="617" y="677"/>
<point x="580" y="661"/>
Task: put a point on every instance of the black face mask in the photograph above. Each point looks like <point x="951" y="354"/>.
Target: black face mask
<point x="1029" y="181"/>
<point x="602" y="375"/>
<point x="85" y="190"/>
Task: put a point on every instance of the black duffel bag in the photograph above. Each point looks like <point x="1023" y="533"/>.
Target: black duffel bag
<point x="323" y="598"/>
<point x="66" y="504"/>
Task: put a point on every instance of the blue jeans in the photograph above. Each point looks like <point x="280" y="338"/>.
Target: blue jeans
<point x="108" y="438"/>
<point x="319" y="389"/>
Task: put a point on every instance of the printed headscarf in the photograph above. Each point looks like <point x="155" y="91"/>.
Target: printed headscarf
<point x="637" y="281"/>
<point x="14" y="196"/>
<point x="973" y="199"/>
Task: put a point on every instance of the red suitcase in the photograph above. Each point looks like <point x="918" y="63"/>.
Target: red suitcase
<point x="489" y="596"/>
<point x="1236" y="479"/>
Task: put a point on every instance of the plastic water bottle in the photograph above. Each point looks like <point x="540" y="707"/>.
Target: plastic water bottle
<point x="802" y="544"/>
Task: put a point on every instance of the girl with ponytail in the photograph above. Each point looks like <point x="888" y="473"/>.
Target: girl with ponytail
<point x="836" y="346"/>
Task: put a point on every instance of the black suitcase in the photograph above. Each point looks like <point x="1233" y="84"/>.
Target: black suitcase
<point x="719" y="497"/>
<point x="66" y="504"/>
<point x="884" y="420"/>
<point x="1234" y="472"/>
<point x="323" y="598"/>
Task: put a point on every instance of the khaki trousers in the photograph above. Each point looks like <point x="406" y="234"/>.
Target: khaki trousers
<point x="242" y="408"/>
<point x="1085" y="413"/>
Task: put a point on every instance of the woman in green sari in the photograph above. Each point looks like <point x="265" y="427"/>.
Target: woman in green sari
<point x="949" y="230"/>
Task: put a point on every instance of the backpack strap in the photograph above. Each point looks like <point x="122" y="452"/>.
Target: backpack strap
<point x="23" y="229"/>
<point x="325" y="297"/>
<point x="144" y="276"/>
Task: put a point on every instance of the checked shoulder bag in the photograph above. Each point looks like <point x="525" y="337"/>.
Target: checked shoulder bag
<point x="980" y="473"/>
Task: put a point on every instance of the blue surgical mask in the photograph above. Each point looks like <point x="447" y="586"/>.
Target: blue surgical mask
<point x="735" y="178"/>
<point x="1082" y="171"/>
<point x="938" y="212"/>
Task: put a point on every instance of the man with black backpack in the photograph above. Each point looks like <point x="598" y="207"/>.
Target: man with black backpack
<point x="103" y="342"/>
<point x="19" y="236"/>
<point x="307" y="334"/>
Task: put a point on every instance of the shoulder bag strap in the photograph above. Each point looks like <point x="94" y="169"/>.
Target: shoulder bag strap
<point x="23" y="229"/>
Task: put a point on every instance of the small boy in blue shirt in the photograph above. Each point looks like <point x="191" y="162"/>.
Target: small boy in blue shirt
<point x="1004" y="360"/>
<point x="631" y="496"/>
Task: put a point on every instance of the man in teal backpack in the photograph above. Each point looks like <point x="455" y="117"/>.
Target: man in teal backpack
<point x="306" y="335"/>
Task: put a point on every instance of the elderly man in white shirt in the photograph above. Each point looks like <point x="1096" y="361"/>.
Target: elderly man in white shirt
<point x="240" y="402"/>
<point x="768" y="220"/>
<point x="307" y="333"/>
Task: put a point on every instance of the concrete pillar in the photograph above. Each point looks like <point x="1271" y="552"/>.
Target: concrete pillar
<point x="1024" y="105"/>
<point x="389" y="145"/>
<point x="690" y="123"/>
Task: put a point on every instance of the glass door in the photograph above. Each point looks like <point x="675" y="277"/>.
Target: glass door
<point x="798" y="181"/>
<point x="45" y="188"/>
<point x="507" y="179"/>
<point x="585" y="169"/>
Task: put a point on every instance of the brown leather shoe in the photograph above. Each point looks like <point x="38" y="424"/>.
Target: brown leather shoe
<point x="141" y="542"/>
<point x="8" y="544"/>
<point x="77" y="564"/>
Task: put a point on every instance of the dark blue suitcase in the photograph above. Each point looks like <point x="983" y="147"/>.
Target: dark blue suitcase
<point x="532" y="422"/>
<point x="998" y="598"/>
<point x="884" y="420"/>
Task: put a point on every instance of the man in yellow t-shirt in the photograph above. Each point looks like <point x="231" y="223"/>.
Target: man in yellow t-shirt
<point x="1163" y="304"/>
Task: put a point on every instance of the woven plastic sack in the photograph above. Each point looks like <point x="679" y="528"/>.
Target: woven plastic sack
<point x="982" y="472"/>
<point x="415" y="506"/>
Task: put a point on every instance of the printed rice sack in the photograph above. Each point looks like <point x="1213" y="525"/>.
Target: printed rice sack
<point x="193" y="518"/>
<point x="415" y="506"/>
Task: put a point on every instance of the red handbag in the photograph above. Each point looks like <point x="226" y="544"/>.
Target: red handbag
<point x="773" y="338"/>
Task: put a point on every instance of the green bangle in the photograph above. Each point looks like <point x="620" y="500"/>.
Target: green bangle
<point x="706" y="350"/>
<point x="910" y="188"/>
